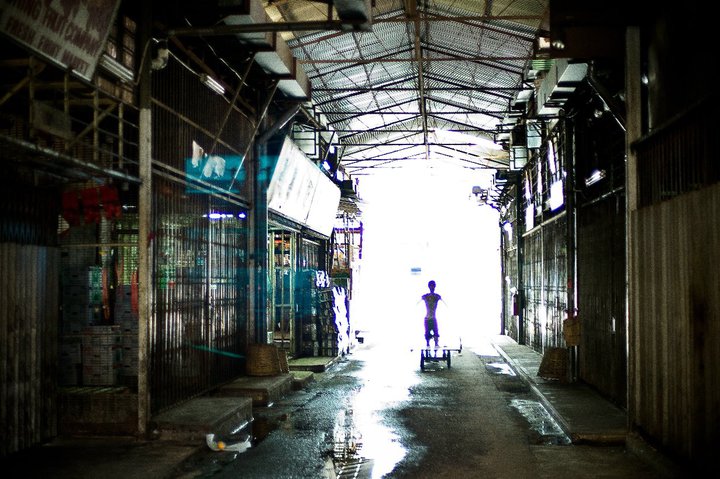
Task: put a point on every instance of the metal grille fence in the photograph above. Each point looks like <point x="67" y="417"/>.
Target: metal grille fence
<point x="678" y="157"/>
<point x="198" y="320"/>
<point x="545" y="282"/>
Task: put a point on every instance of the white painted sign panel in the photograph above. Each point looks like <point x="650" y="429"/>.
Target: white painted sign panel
<point x="71" y="33"/>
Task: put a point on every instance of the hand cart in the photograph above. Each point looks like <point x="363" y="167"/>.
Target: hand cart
<point x="437" y="354"/>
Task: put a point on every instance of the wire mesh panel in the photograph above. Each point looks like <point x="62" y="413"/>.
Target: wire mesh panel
<point x="554" y="281"/>
<point x="227" y="303"/>
<point x="98" y="294"/>
<point x="283" y="267"/>
<point x="533" y="288"/>
<point x="198" y="324"/>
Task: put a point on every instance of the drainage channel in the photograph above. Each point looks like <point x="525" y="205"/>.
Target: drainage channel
<point x="543" y="429"/>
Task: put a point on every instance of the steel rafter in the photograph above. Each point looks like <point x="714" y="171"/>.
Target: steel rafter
<point x="424" y="67"/>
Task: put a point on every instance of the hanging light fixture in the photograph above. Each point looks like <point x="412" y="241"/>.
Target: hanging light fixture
<point x="212" y="84"/>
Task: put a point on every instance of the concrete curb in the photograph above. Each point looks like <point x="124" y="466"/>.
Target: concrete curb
<point x="575" y="437"/>
<point x="536" y="392"/>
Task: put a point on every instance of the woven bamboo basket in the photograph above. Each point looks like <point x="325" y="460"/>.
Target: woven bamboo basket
<point x="554" y="364"/>
<point x="571" y="331"/>
<point x="262" y="360"/>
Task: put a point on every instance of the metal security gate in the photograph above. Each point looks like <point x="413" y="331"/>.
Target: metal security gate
<point x="198" y="320"/>
<point x="283" y="269"/>
<point x="198" y="325"/>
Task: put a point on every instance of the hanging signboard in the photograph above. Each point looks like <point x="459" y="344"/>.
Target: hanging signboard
<point x="291" y="186"/>
<point x="300" y="191"/>
<point x="71" y="33"/>
<point x="323" y="209"/>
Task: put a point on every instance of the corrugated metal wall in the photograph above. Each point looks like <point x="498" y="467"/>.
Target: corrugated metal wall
<point x="509" y="294"/>
<point x="509" y="266"/>
<point x="28" y="318"/>
<point x="601" y="249"/>
<point x="675" y="328"/>
<point x="674" y="334"/>
<point x="601" y="296"/>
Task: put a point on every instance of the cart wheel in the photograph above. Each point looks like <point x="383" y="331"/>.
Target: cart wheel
<point x="448" y="359"/>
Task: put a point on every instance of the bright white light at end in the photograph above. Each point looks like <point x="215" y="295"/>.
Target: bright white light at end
<point x="453" y="241"/>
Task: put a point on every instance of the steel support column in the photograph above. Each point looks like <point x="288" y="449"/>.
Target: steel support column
<point x="264" y="165"/>
<point x="571" y="211"/>
<point x="262" y="172"/>
<point x="520" y="220"/>
<point x="145" y="207"/>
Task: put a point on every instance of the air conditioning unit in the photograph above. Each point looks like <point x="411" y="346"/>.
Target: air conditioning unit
<point x="534" y="134"/>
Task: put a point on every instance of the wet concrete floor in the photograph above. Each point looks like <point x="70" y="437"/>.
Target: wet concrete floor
<point x="376" y="414"/>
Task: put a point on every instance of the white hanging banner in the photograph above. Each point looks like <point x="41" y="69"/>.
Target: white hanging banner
<point x="300" y="191"/>
<point x="71" y="33"/>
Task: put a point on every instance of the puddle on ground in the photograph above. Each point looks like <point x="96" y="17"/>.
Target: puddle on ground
<point x="364" y="445"/>
<point x="500" y="368"/>
<point x="543" y="428"/>
<point x="262" y="426"/>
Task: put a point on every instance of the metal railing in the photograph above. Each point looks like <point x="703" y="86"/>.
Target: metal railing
<point x="677" y="157"/>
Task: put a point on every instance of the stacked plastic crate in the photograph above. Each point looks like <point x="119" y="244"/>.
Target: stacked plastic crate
<point x="306" y="298"/>
<point x="101" y="355"/>
<point x="81" y="298"/>
<point x="127" y="320"/>
<point x="326" y="320"/>
<point x="70" y="364"/>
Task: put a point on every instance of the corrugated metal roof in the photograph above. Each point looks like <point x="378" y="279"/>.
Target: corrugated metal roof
<point x="426" y="72"/>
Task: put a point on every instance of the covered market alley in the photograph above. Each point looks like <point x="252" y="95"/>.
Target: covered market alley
<point x="197" y="193"/>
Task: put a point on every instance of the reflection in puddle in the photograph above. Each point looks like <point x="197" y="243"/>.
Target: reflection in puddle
<point x="365" y="447"/>
<point x="502" y="368"/>
<point x="348" y="451"/>
<point x="542" y="424"/>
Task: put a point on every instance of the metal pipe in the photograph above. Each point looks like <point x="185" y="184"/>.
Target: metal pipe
<point x="36" y="151"/>
<point x="230" y="107"/>
<point x="230" y="30"/>
<point x="413" y="59"/>
<point x="279" y="124"/>
<point x="569" y="146"/>
<point x="520" y="220"/>
<point x="616" y="110"/>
